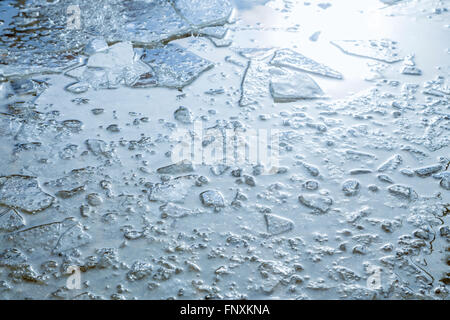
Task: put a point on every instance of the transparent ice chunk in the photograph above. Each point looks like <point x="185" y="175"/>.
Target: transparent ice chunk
<point x="174" y="66"/>
<point x="255" y="82"/>
<point x="291" y="59"/>
<point x="288" y="86"/>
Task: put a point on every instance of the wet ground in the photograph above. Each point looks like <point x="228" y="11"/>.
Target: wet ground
<point x="128" y="131"/>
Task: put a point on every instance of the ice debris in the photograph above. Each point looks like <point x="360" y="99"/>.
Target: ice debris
<point x="278" y="225"/>
<point x="212" y="198"/>
<point x="350" y="187"/>
<point x="184" y="166"/>
<point x="287" y="86"/>
<point x="319" y="203"/>
<point x="402" y="191"/>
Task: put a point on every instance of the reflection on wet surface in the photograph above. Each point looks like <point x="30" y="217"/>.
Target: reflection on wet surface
<point x="127" y="136"/>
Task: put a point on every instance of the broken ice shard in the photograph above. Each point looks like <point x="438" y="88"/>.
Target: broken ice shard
<point x="255" y="82"/>
<point x="291" y="59"/>
<point x="277" y="225"/>
<point x="384" y="50"/>
<point x="24" y="193"/>
<point x="183" y="166"/>
<point x="175" y="67"/>
<point x="212" y="198"/>
<point x="411" y="70"/>
<point x="319" y="203"/>
<point x="402" y="191"/>
<point x="201" y="13"/>
<point x="290" y="86"/>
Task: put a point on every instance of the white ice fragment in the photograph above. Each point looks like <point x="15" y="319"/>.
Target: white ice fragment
<point x="255" y="83"/>
<point x="278" y="225"/>
<point x="412" y="71"/>
<point x="183" y="166"/>
<point x="291" y="59"/>
<point x="175" y="67"/>
<point x="212" y="198"/>
<point x="291" y="86"/>
<point x="317" y="202"/>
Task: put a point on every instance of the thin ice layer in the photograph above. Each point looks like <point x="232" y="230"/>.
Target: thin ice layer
<point x="201" y="13"/>
<point x="290" y="86"/>
<point x="384" y="50"/>
<point x="291" y="59"/>
<point x="175" y="67"/>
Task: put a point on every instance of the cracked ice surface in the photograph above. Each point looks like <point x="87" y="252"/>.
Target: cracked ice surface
<point x="114" y="164"/>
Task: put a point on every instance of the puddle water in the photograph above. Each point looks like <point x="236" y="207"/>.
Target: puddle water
<point x="224" y="150"/>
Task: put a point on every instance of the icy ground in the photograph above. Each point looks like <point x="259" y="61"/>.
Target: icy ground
<point x="97" y="97"/>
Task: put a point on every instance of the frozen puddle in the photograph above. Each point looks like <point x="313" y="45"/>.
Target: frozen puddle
<point x="220" y="149"/>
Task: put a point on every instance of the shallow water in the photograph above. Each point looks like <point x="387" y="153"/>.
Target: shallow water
<point x="352" y="205"/>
